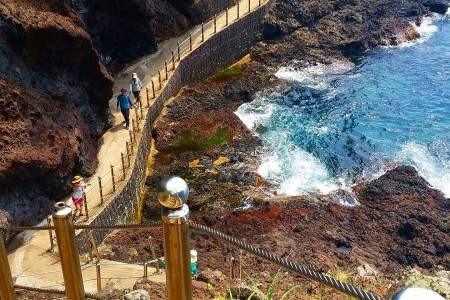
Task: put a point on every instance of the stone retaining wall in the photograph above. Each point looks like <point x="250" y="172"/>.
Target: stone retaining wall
<point x="217" y="52"/>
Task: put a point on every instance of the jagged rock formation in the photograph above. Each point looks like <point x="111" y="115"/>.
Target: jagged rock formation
<point x="324" y="31"/>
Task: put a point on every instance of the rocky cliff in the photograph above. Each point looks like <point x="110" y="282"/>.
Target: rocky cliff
<point x="54" y="95"/>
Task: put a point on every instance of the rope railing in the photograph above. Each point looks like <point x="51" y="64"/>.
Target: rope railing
<point x="282" y="262"/>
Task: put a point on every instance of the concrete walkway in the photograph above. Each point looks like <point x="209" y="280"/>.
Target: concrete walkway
<point x="31" y="262"/>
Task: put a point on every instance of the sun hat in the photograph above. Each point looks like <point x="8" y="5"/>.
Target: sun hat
<point x="123" y="90"/>
<point x="134" y="75"/>
<point x="193" y="256"/>
<point x="77" y="179"/>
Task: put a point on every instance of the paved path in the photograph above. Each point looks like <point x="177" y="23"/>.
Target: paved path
<point x="31" y="262"/>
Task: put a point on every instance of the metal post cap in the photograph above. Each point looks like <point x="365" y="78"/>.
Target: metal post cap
<point x="174" y="192"/>
<point x="417" y="293"/>
<point x="61" y="210"/>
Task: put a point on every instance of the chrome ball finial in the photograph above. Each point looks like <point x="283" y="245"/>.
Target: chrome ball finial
<point x="416" y="293"/>
<point x="174" y="192"/>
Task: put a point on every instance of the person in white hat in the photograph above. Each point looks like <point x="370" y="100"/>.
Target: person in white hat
<point x="135" y="88"/>
<point x="194" y="269"/>
<point x="78" y="186"/>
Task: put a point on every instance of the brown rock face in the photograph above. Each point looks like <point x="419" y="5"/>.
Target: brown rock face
<point x="124" y="30"/>
<point x="54" y="97"/>
<point x="324" y="31"/>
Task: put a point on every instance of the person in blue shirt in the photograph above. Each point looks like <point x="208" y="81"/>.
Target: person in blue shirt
<point x="124" y="103"/>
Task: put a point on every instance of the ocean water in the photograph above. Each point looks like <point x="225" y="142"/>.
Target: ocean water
<point x="328" y="127"/>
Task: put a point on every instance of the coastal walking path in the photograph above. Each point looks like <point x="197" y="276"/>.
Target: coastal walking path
<point x="31" y="263"/>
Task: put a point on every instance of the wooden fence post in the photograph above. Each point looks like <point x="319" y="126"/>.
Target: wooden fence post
<point x="165" y="67"/>
<point x="173" y="60"/>
<point x="128" y="154"/>
<point x="190" y="41"/>
<point x="203" y="31"/>
<point x="226" y="17"/>
<point x="148" y="97"/>
<point x="153" y="88"/>
<point x="237" y="11"/>
<point x="101" y="189"/>
<point x="113" y="179"/>
<point x="123" y="165"/>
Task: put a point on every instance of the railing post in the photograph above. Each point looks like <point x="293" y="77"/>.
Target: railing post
<point x="159" y="78"/>
<point x="153" y="88"/>
<point x="203" y="31"/>
<point x="128" y="153"/>
<point x="190" y="41"/>
<point x="148" y="96"/>
<point x="165" y="67"/>
<point x="86" y="210"/>
<point x="94" y="245"/>
<point x="50" y="234"/>
<point x="131" y="136"/>
<point x="145" y="270"/>
<point x="6" y="284"/>
<point x="175" y="217"/>
<point x="173" y="60"/>
<point x="101" y="189"/>
<point x="113" y="179"/>
<point x="88" y="245"/>
<point x="231" y="260"/>
<point x="135" y="129"/>
<point x="215" y="23"/>
<point x="178" y="50"/>
<point x="141" y="111"/>
<point x="249" y="6"/>
<point x="237" y="11"/>
<point x="136" y="112"/>
<point x="124" y="171"/>
<point x="226" y="17"/>
<point x="99" y="276"/>
<point x="68" y="252"/>
<point x="259" y="3"/>
<point x="152" y="249"/>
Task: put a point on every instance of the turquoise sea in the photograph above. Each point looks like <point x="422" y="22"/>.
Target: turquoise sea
<point x="328" y="127"/>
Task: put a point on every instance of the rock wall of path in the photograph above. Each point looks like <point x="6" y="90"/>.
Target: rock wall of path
<point x="219" y="51"/>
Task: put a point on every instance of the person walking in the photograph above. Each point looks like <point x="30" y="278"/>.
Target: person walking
<point x="124" y="103"/>
<point x="78" y="186"/>
<point x="135" y="88"/>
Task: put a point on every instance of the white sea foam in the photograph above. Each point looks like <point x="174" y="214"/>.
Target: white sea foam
<point x="295" y="171"/>
<point x="436" y="171"/>
<point x="426" y="30"/>
<point x="317" y="76"/>
<point x="256" y="112"/>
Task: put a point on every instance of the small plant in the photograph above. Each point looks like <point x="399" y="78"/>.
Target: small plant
<point x="271" y="290"/>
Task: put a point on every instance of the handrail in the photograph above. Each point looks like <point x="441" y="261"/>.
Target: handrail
<point x="97" y="227"/>
<point x="282" y="262"/>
